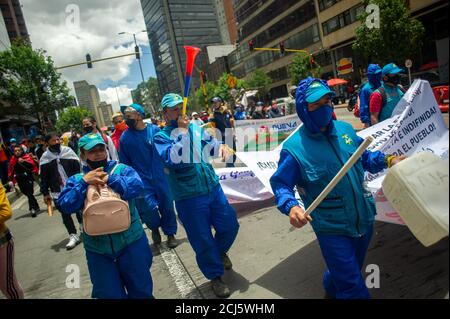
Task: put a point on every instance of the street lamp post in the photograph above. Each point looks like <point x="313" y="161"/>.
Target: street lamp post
<point x="135" y="43"/>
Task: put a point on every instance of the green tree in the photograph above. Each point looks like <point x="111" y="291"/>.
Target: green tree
<point x="259" y="80"/>
<point x="147" y="94"/>
<point x="71" y="119"/>
<point x="302" y="66"/>
<point x="211" y="90"/>
<point x="398" y="37"/>
<point x="29" y="83"/>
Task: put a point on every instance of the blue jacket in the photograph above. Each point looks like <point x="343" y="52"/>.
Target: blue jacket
<point x="188" y="171"/>
<point x="138" y="151"/>
<point x="309" y="161"/>
<point x="126" y="182"/>
<point x="364" y="98"/>
<point x="240" y="115"/>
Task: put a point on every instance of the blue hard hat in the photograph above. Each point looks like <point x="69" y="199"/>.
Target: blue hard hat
<point x="316" y="91"/>
<point x="171" y="100"/>
<point x="391" y="68"/>
<point x="374" y="69"/>
<point x="89" y="141"/>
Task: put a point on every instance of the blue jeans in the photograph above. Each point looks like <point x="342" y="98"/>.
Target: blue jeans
<point x="344" y="257"/>
<point x="198" y="214"/>
<point x="128" y="269"/>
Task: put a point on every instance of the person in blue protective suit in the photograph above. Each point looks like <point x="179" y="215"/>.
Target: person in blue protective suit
<point x="343" y="221"/>
<point x="374" y="77"/>
<point x="383" y="101"/>
<point x="119" y="263"/>
<point x="200" y="201"/>
<point x="155" y="204"/>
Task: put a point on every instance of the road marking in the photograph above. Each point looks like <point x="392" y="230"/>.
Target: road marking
<point x="183" y="281"/>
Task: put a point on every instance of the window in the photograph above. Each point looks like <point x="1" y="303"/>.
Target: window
<point x="342" y="20"/>
<point x="325" y="4"/>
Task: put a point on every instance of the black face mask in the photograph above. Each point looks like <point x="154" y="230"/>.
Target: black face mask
<point x="55" y="148"/>
<point x="131" y="123"/>
<point x="394" y="79"/>
<point x="88" y="129"/>
<point x="97" y="164"/>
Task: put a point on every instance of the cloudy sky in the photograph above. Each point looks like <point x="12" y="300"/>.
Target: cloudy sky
<point x="69" y="29"/>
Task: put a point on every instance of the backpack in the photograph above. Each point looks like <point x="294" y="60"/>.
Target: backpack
<point x="382" y="91"/>
<point x="104" y="211"/>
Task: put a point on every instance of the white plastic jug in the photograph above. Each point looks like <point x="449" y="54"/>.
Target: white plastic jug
<point x="418" y="189"/>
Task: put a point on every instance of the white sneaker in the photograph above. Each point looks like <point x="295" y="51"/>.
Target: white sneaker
<point x="73" y="241"/>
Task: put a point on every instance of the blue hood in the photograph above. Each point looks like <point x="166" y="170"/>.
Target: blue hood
<point x="302" y="106"/>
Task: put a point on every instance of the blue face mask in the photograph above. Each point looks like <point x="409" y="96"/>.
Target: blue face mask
<point x="375" y="79"/>
<point x="322" y="116"/>
<point x="173" y="123"/>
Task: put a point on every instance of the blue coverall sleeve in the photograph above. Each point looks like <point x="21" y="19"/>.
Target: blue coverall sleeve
<point x="168" y="149"/>
<point x="373" y="162"/>
<point x="364" y="113"/>
<point x="123" y="153"/>
<point x="283" y="182"/>
<point x="127" y="184"/>
<point x="73" y="195"/>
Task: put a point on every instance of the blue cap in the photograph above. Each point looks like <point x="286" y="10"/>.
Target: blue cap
<point x="13" y="140"/>
<point x="316" y="91"/>
<point x="135" y="106"/>
<point x="373" y="69"/>
<point x="89" y="141"/>
<point x="391" y="68"/>
<point x="259" y="103"/>
<point x="171" y="100"/>
<point x="216" y="99"/>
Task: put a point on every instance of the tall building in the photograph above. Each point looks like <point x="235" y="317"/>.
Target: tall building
<point x="107" y="112"/>
<point x="226" y="20"/>
<point x="172" y="24"/>
<point x="5" y="44"/>
<point x="14" y="19"/>
<point x="88" y="97"/>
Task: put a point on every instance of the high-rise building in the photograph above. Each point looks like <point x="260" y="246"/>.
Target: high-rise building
<point x="172" y="24"/>
<point x="5" y="44"/>
<point x="88" y="97"/>
<point x="107" y="112"/>
<point x="14" y="19"/>
<point x="226" y="20"/>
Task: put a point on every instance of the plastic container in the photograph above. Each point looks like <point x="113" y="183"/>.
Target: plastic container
<point x="418" y="188"/>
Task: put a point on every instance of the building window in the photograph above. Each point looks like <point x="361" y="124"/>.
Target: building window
<point x="325" y="4"/>
<point x="342" y="20"/>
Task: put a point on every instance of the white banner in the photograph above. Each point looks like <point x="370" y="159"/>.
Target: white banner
<point x="418" y="127"/>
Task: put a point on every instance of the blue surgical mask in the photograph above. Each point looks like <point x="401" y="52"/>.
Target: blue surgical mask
<point x="322" y="116"/>
<point x="375" y="79"/>
<point x="174" y="123"/>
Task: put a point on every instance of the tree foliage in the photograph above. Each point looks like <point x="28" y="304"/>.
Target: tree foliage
<point x="398" y="38"/>
<point x="71" y="119"/>
<point x="29" y="83"/>
<point x="302" y="66"/>
<point x="147" y="94"/>
<point x="259" y="80"/>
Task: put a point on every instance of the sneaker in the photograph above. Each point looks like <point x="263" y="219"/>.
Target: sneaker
<point x="156" y="237"/>
<point x="73" y="241"/>
<point x="220" y="288"/>
<point x="33" y="212"/>
<point x="172" y="242"/>
<point x="227" y="264"/>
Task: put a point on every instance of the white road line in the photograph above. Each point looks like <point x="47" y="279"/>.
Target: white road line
<point x="184" y="283"/>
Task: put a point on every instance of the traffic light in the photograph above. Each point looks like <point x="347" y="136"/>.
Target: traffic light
<point x="88" y="60"/>
<point x="136" y="51"/>
<point x="282" y="50"/>
<point x="251" y="45"/>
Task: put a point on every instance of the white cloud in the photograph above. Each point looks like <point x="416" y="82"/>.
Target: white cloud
<point x="100" y="21"/>
<point x="110" y="96"/>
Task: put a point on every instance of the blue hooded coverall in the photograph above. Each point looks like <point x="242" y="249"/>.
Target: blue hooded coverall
<point x="119" y="264"/>
<point x="343" y="222"/>
<point x="199" y="198"/>
<point x="364" y="96"/>
<point x="155" y="204"/>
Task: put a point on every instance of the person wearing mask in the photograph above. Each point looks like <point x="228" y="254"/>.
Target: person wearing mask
<point x="196" y="119"/>
<point x="40" y="146"/>
<point x="9" y="285"/>
<point x="239" y="112"/>
<point x="155" y="203"/>
<point x="309" y="160"/>
<point x="374" y="82"/>
<point x="90" y="126"/>
<point x="223" y="121"/>
<point x="274" y="110"/>
<point x="57" y="164"/>
<point x="119" y="127"/>
<point x="199" y="198"/>
<point x="205" y="116"/>
<point x="258" y="114"/>
<point x="118" y="263"/>
<point x="21" y="169"/>
<point x="386" y="97"/>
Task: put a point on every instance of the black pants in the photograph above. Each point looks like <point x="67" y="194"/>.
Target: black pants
<point x="68" y="222"/>
<point x="26" y="186"/>
<point x="4" y="172"/>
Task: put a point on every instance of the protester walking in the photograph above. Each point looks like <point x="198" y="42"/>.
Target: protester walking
<point x="90" y="126"/>
<point x="119" y="127"/>
<point x="374" y="82"/>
